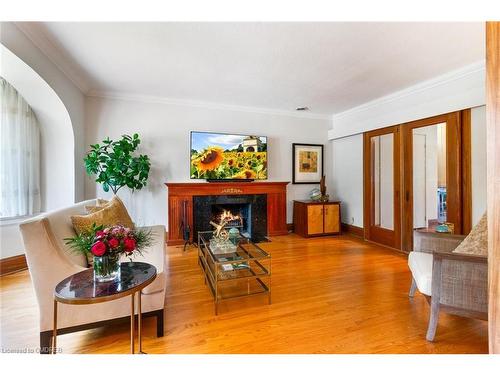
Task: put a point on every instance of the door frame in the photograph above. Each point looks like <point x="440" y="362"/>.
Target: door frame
<point x="391" y="238"/>
<point x="455" y="199"/>
<point x="493" y="155"/>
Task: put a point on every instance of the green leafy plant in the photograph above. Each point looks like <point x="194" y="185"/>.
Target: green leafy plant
<point x="116" y="166"/>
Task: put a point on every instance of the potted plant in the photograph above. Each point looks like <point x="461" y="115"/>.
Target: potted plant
<point x="116" y="166"/>
<point x="106" y="245"/>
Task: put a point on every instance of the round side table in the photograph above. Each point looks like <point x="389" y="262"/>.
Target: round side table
<point x="82" y="289"/>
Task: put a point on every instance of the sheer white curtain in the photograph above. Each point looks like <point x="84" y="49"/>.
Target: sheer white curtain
<point x="19" y="155"/>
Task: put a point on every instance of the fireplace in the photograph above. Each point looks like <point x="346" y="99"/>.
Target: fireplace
<point x="247" y="213"/>
<point x="181" y="206"/>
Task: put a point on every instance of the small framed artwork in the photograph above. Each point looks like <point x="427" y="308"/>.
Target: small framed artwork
<point x="307" y="163"/>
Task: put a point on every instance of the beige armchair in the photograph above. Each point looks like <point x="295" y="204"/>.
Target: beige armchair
<point x="50" y="261"/>
<point x="453" y="282"/>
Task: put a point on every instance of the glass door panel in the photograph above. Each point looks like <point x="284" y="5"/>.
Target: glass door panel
<point x="383" y="180"/>
<point x="382" y="207"/>
<point x="429" y="176"/>
<point x="432" y="175"/>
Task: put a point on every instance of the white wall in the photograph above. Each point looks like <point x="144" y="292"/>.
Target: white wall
<point x="460" y="89"/>
<point x="74" y="101"/>
<point x="164" y="130"/>
<point x="57" y="185"/>
<point x="11" y="242"/>
<point x="59" y="192"/>
<point x="347" y="177"/>
<point x="478" y="142"/>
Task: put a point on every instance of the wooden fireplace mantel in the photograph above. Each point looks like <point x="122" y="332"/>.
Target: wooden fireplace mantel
<point x="180" y="192"/>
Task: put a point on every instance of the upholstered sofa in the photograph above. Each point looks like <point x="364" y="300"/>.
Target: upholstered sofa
<point x="50" y="261"/>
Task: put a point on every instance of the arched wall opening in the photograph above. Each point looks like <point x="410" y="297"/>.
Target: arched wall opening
<point x="57" y="146"/>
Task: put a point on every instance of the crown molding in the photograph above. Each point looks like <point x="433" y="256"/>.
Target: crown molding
<point x="56" y="55"/>
<point x="116" y="95"/>
<point x="444" y="79"/>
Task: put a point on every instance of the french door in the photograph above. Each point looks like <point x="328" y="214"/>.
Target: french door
<point x="432" y="175"/>
<point x="416" y="176"/>
<point x="382" y="208"/>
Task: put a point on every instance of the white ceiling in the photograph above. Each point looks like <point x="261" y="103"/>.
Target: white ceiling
<point x="329" y="67"/>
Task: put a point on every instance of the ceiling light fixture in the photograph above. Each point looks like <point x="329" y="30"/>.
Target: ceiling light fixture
<point x="302" y="109"/>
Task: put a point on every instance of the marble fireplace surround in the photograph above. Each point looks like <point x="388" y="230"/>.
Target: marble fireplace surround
<point x="252" y="208"/>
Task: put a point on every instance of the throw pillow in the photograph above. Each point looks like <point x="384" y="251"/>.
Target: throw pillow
<point x="476" y="243"/>
<point x="101" y="203"/>
<point x="113" y="213"/>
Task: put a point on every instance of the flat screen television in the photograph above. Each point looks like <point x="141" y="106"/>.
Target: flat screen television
<point x="217" y="156"/>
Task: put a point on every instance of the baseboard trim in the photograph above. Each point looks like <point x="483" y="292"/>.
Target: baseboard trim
<point x="399" y="251"/>
<point x="13" y="264"/>
<point x="353" y="230"/>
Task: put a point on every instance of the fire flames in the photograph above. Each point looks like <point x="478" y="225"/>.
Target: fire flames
<point x="230" y="218"/>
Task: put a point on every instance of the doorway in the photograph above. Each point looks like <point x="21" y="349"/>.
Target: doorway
<point x="382" y="210"/>
<point x="415" y="178"/>
<point x="431" y="175"/>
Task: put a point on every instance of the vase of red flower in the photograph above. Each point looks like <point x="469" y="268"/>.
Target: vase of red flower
<point x="107" y="245"/>
<point x="107" y="267"/>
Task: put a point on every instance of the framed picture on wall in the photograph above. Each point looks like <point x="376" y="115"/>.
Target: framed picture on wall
<point x="307" y="165"/>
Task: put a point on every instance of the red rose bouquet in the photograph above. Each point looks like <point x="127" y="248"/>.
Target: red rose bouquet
<point x="104" y="246"/>
<point x="117" y="239"/>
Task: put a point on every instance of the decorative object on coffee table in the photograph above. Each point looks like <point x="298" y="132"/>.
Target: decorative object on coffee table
<point x="116" y="166"/>
<point x="83" y="289"/>
<point x="107" y="245"/>
<point x="307" y="167"/>
<point x="246" y="271"/>
<point x="220" y="239"/>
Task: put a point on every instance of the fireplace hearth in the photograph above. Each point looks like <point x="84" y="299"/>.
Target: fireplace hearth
<point x="247" y="213"/>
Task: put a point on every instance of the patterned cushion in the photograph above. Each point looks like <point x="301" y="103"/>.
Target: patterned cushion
<point x="476" y="243"/>
<point x="101" y="203"/>
<point x="113" y="213"/>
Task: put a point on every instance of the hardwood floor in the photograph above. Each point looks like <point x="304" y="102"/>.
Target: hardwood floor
<point x="330" y="295"/>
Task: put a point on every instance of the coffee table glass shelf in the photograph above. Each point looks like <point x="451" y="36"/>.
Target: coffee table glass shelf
<point x="240" y="269"/>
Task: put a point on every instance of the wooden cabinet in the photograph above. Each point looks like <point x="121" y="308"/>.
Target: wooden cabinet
<point x="316" y="218"/>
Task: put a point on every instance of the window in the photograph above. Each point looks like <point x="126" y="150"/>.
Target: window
<point x="19" y="155"/>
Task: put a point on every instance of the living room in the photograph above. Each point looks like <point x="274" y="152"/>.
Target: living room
<point x="249" y="187"/>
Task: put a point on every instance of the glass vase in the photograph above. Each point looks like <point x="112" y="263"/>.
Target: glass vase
<point x="106" y="268"/>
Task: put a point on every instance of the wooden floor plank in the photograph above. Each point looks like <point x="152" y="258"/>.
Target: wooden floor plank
<point x="330" y="295"/>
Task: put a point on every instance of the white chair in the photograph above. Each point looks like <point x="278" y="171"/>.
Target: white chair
<point x="453" y="282"/>
<point x="50" y="261"/>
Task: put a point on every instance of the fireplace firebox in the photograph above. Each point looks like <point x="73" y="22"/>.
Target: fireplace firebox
<point x="247" y="213"/>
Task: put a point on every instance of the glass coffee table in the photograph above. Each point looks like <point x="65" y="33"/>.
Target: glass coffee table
<point x="237" y="271"/>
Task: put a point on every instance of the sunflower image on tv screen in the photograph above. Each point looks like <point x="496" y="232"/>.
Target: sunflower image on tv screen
<point x="217" y="156"/>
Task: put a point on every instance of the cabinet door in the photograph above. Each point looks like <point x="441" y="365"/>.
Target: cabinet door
<point x="314" y="219"/>
<point x="332" y="221"/>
